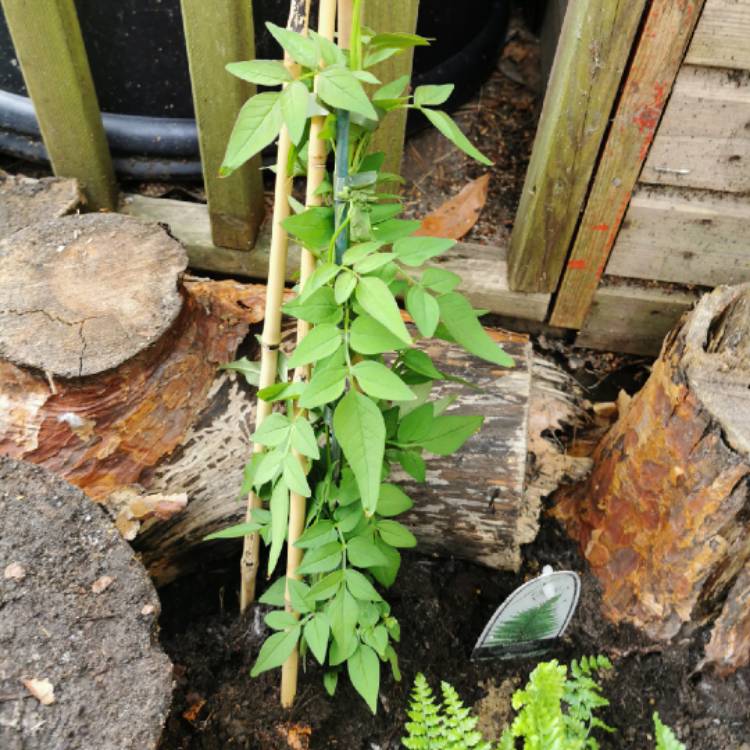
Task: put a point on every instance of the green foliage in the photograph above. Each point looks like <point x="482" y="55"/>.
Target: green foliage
<point x="448" y="725"/>
<point x="665" y="738"/>
<point x="366" y="406"/>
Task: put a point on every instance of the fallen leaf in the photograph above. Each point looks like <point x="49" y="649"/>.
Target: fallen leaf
<point x="102" y="584"/>
<point x="457" y="216"/>
<point x="297" y="736"/>
<point x="43" y="690"/>
<point x="196" y="704"/>
<point x="15" y="572"/>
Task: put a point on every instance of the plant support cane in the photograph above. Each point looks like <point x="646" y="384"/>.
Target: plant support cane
<point x="271" y="339"/>
<point x="316" y="173"/>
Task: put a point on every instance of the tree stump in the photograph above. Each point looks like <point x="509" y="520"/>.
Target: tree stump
<point x="664" y="518"/>
<point x="80" y="664"/>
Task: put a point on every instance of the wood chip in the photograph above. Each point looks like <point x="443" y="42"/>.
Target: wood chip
<point x="43" y="690"/>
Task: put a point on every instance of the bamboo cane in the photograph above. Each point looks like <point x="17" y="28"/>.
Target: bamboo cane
<point x="299" y="12"/>
<point x="316" y="171"/>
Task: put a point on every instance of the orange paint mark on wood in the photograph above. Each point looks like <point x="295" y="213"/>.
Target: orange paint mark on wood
<point x="577" y="265"/>
<point x="600" y="228"/>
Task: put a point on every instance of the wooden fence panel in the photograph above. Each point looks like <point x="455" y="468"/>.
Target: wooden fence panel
<point x="721" y="38"/>
<point x="594" y="46"/>
<point x="658" y="57"/>
<point x="217" y="34"/>
<point x="49" y="46"/>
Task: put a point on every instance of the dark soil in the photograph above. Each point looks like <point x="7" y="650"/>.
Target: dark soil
<point x="76" y="609"/>
<point x="442" y="606"/>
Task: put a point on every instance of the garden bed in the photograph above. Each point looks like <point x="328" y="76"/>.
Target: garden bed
<point x="442" y="606"/>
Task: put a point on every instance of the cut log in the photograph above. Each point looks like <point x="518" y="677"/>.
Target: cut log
<point x="80" y="295"/>
<point x="481" y="504"/>
<point x="80" y="664"/>
<point x="25" y="201"/>
<point x="664" y="518"/>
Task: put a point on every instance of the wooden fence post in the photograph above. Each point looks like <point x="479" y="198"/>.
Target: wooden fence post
<point x="50" y="49"/>
<point x="382" y="16"/>
<point x="217" y="34"/>
<point x="658" y="57"/>
<point x="593" y="49"/>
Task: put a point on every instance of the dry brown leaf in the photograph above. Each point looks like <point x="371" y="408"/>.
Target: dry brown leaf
<point x="297" y="736"/>
<point x="43" y="690"/>
<point x="102" y="584"/>
<point x="457" y="216"/>
<point x="14" y="572"/>
<point x="196" y="704"/>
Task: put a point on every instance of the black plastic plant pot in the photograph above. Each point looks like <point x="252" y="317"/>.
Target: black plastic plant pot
<point x="136" y="49"/>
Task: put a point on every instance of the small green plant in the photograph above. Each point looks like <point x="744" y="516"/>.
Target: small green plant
<point x="360" y="403"/>
<point x="440" y="726"/>
<point x="555" y="712"/>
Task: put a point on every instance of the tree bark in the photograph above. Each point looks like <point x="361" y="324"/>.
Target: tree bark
<point x="664" y="518"/>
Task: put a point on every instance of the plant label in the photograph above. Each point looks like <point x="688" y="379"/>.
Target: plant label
<point x="531" y="618"/>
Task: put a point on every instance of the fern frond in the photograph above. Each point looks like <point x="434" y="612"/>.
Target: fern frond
<point x="532" y="624"/>
<point x="425" y="725"/>
<point x="459" y="724"/>
<point x="665" y="737"/>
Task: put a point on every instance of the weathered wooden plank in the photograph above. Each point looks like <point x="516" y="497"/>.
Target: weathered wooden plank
<point x="593" y="50"/>
<point x="721" y="37"/>
<point x="703" y="139"/>
<point x="550" y="34"/>
<point x="382" y="17"/>
<point x="659" y="53"/>
<point x="482" y="267"/>
<point x="49" y="47"/>
<point x="633" y="318"/>
<point x="683" y="236"/>
<point x="216" y="34"/>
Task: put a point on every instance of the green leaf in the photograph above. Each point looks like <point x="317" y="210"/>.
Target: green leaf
<point x="440" y="280"/>
<point x="261" y="72"/>
<point x="424" y="309"/>
<point x="303" y="438"/>
<point x="314" y="227"/>
<point x="258" y="123"/>
<point x="393" y="501"/>
<point x="282" y="391"/>
<point x="298" y="595"/>
<point x="458" y="317"/>
<point x="301" y="49"/>
<point x="325" y="387"/>
<point x="329" y="52"/>
<point x="364" y="672"/>
<point x="432" y="96"/>
<point x="449" y="432"/>
<point x="364" y="552"/>
<point x="279" y="521"/>
<point x="319" y="307"/>
<point x="367" y="336"/>
<point x="343" y="612"/>
<point x="317" y="535"/>
<point x="377" y="638"/>
<point x="396" y="534"/>
<point x="330" y="681"/>
<point x="274" y="594"/>
<point x="294" y="100"/>
<point x="280" y="620"/>
<point x="348" y="517"/>
<point x="233" y="532"/>
<point x="356" y="252"/>
<point x="269" y="467"/>
<point x="395" y="229"/>
<point x="376" y="299"/>
<point x="665" y="737"/>
<point x="360" y="587"/>
<point x="392" y="657"/>
<point x="321" y="560"/>
<point x="416" y="425"/>
<point x="386" y="574"/>
<point x="414" y="251"/>
<point x="276" y="650"/>
<point x="392" y="90"/>
<point x="320" y="342"/>
<point x="373" y="263"/>
<point x="273" y="431"/>
<point x="317" y="631"/>
<point x="250" y="370"/>
<point x="339" y="88"/>
<point x="345" y="285"/>
<point x="376" y="380"/>
<point x="359" y="427"/>
<point x="454" y="134"/>
<point x="327" y="586"/>
<point x="418" y="361"/>
<point x="413" y="464"/>
<point x="322" y="274"/>
<point x="294" y="476"/>
<point x="365" y="76"/>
